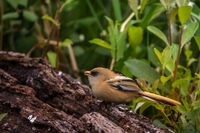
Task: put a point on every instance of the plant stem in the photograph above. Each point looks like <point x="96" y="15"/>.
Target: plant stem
<point x="179" y="52"/>
<point x="112" y="63"/>
<point x="169" y="31"/>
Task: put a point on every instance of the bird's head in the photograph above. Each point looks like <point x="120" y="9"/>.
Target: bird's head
<point x="98" y="75"/>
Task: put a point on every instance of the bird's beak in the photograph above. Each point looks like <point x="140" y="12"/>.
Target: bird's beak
<point x="87" y="73"/>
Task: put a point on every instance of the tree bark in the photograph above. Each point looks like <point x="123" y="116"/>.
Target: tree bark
<point x="38" y="98"/>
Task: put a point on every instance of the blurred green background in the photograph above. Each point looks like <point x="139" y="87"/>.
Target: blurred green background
<point x="157" y="41"/>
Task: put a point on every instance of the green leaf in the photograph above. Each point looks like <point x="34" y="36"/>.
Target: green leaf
<point x="134" y="6"/>
<point x="164" y="79"/>
<point x="49" y="18"/>
<point x="3" y="115"/>
<point x="117" y="9"/>
<point x="143" y="5"/>
<point x="30" y="16"/>
<point x="117" y="39"/>
<point x="10" y="15"/>
<point x="141" y="70"/>
<point x="13" y="3"/>
<point x="23" y="2"/>
<point x="52" y="57"/>
<point x="158" y="54"/>
<point x="189" y="32"/>
<point x="183" y="83"/>
<point x="135" y="35"/>
<point x="64" y="4"/>
<point x="188" y="54"/>
<point x="196" y="104"/>
<point x="66" y="43"/>
<point x="158" y="33"/>
<point x="101" y="43"/>
<point x="192" y="60"/>
<point x="198" y="75"/>
<point x="197" y="39"/>
<point x="169" y="55"/>
<point x="154" y="11"/>
<point x="152" y="56"/>
<point x="184" y="13"/>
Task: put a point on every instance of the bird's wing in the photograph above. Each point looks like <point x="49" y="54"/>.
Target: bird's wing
<point x="123" y="83"/>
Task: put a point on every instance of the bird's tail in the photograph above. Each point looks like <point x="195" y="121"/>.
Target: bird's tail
<point x="159" y="98"/>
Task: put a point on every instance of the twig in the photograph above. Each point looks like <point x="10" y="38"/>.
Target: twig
<point x="72" y="59"/>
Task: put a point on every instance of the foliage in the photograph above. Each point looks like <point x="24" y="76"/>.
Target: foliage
<point x="157" y="41"/>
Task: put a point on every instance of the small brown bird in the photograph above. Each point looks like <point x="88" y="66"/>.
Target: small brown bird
<point x="113" y="87"/>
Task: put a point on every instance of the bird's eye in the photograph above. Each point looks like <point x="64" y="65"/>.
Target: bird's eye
<point x="94" y="73"/>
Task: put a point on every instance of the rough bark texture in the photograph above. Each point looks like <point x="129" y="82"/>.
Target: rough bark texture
<point x="37" y="98"/>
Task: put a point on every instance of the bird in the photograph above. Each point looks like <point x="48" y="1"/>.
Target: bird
<point x="110" y="86"/>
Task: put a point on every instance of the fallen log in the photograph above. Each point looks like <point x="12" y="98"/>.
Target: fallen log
<point x="38" y="98"/>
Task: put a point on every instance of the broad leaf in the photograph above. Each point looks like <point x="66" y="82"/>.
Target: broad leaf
<point x="13" y="3"/>
<point x="158" y="33"/>
<point x="101" y="43"/>
<point x="152" y="56"/>
<point x="189" y="32"/>
<point x="143" y="5"/>
<point x="23" y="2"/>
<point x="141" y="70"/>
<point x="154" y="11"/>
<point x="158" y="54"/>
<point x="10" y="15"/>
<point x="164" y="79"/>
<point x="167" y="57"/>
<point x="184" y="13"/>
<point x="135" y="35"/>
<point x="134" y="5"/>
<point x="197" y="39"/>
<point x="30" y="16"/>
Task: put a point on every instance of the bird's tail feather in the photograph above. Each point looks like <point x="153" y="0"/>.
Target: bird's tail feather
<point x="159" y="98"/>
